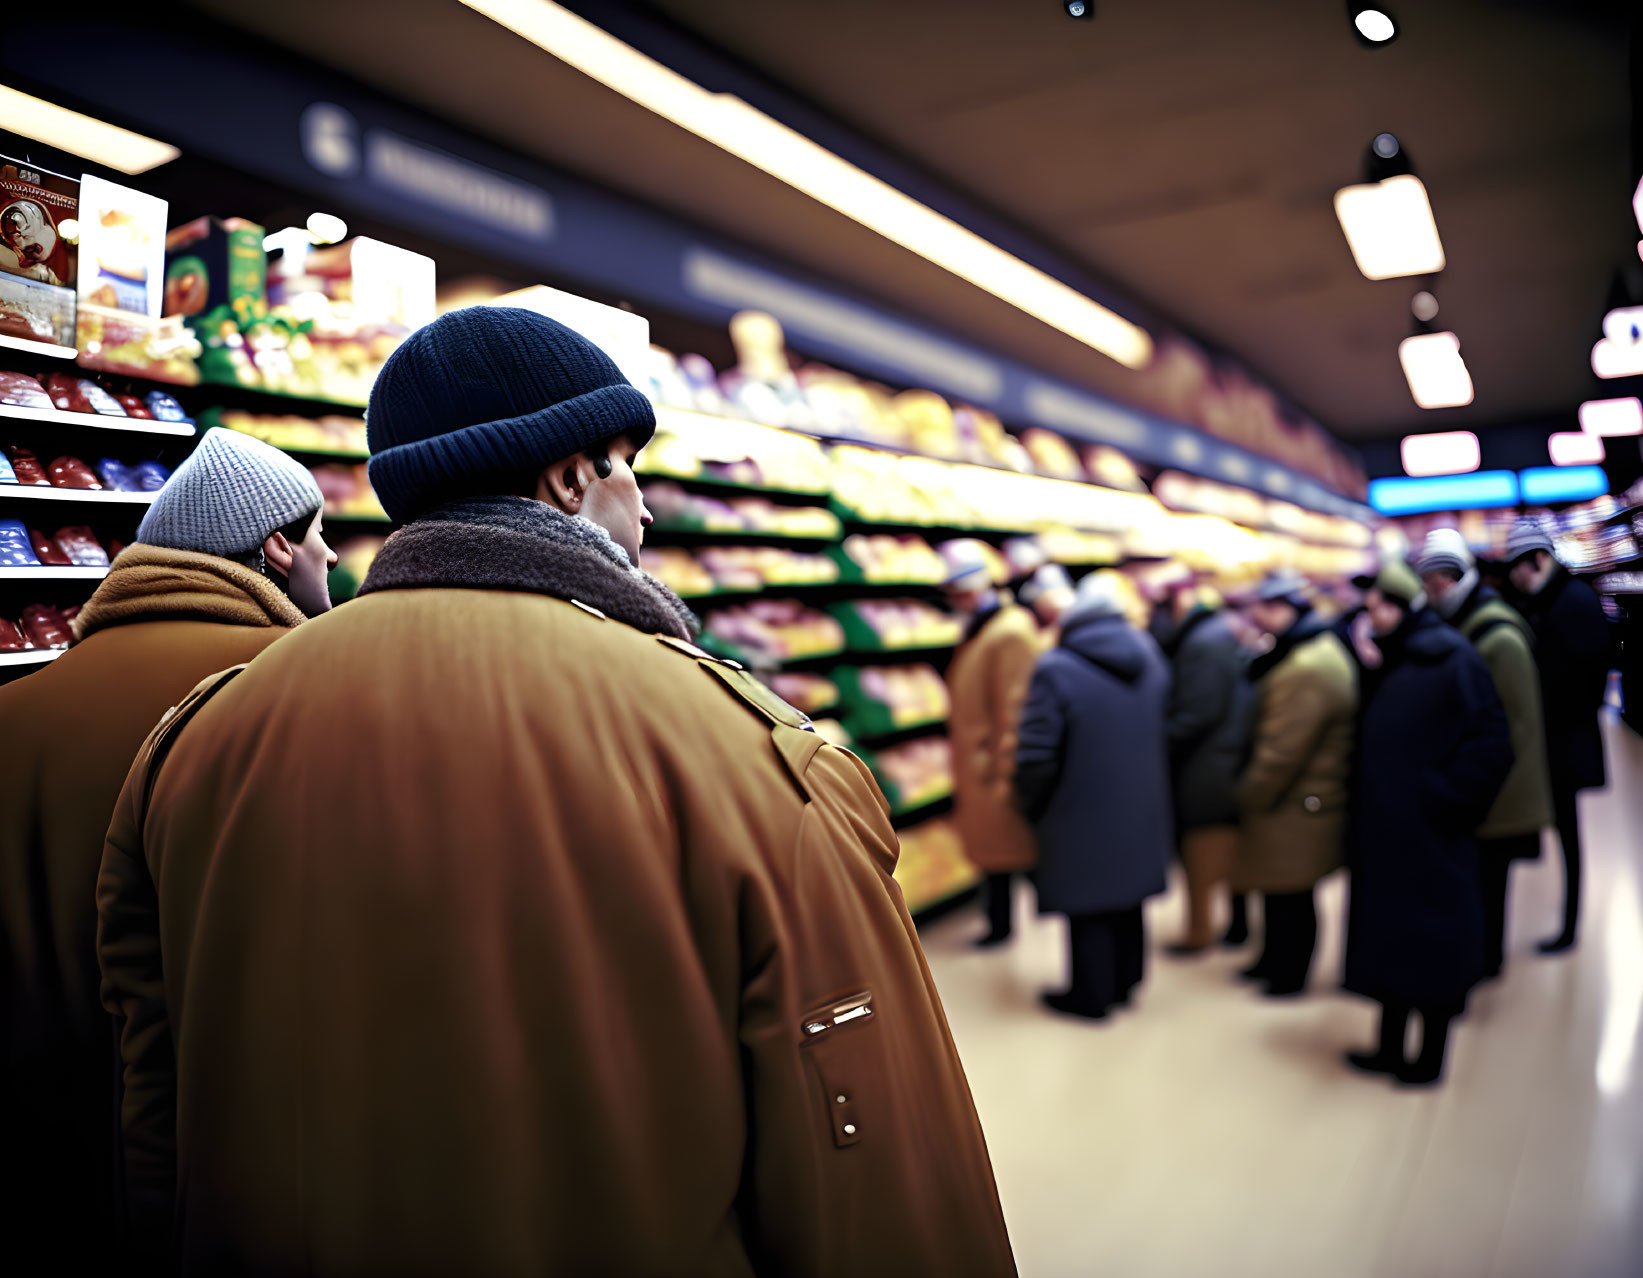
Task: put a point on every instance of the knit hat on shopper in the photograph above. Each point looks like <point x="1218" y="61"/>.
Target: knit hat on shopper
<point x="1285" y="587"/>
<point x="1397" y="581"/>
<point x="486" y="395"/>
<point x="228" y="497"/>
<point x="1526" y="537"/>
<point x="1445" y="551"/>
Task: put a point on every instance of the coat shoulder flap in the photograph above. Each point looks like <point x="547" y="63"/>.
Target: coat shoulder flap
<point x="153" y="754"/>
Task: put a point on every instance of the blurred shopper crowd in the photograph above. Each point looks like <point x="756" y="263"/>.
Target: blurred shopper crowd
<point x="316" y="962"/>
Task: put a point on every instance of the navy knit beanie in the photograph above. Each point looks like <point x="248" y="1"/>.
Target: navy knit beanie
<point x="485" y="396"/>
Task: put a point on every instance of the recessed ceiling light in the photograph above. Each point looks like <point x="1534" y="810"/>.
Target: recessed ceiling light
<point x="748" y="133"/>
<point x="1450" y="452"/>
<point x="1374" y="24"/>
<point x="1575" y="448"/>
<point x="1079" y="8"/>
<point x="1389" y="228"/>
<point x="1424" y="307"/>
<point x="1436" y="373"/>
<point x="1617" y="359"/>
<point x="1612" y="416"/>
<point x="81" y="135"/>
<point x="327" y="228"/>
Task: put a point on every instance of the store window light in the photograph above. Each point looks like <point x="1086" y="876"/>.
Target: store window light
<point x="82" y="135"/>
<point x="1390" y="228"/>
<point x="1435" y="371"/>
<point x="1612" y="416"/>
<point x="751" y="135"/>
<point x="1452" y="452"/>
<point x="1575" y="448"/>
<point x="1373" y="24"/>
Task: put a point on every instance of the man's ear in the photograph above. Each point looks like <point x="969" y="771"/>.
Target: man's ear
<point x="565" y="483"/>
<point x="277" y="550"/>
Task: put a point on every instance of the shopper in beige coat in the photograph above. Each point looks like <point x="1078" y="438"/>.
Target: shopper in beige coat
<point x="173" y="609"/>
<point x="987" y="688"/>
<point x="1512" y="830"/>
<point x="487" y="927"/>
<point x="1292" y="797"/>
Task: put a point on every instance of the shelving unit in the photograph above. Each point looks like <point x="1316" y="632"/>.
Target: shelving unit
<point x="51" y="350"/>
<point x="95" y="421"/>
<point x="30" y="657"/>
<point x="53" y="572"/>
<point x="92" y="496"/>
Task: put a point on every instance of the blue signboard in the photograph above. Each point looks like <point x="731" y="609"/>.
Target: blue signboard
<point x="1480" y="489"/>
<point x="1547" y="485"/>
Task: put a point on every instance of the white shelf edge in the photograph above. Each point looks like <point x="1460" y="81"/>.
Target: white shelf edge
<point x="38" y="492"/>
<point x="48" y="572"/>
<point x="38" y="348"/>
<point x="30" y="657"/>
<point x="94" y="421"/>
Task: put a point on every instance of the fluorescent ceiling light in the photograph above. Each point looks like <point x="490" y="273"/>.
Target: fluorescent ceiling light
<point x="1436" y="373"/>
<point x="1390" y="228"/>
<point x="1617" y="359"/>
<point x="750" y="134"/>
<point x="1543" y="485"/>
<point x="327" y="228"/>
<point x="1451" y="452"/>
<point x="1575" y="448"/>
<point x="1374" y="25"/>
<point x="1477" y="491"/>
<point x="1624" y="325"/>
<point x="81" y="135"/>
<point x="1637" y="207"/>
<point x="1612" y="416"/>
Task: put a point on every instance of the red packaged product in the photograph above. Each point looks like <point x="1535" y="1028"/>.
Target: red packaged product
<point x="11" y="638"/>
<point x="46" y="626"/>
<point x="64" y="389"/>
<point x="134" y="407"/>
<point x="80" y="547"/>
<point x="23" y="391"/>
<point x="47" y="551"/>
<point x="69" y="614"/>
<point x="27" y="467"/>
<point x="115" y="547"/>
<point x="71" y="472"/>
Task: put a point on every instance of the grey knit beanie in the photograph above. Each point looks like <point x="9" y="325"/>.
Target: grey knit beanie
<point x="1445" y="551"/>
<point x="1527" y="536"/>
<point x="228" y="497"/>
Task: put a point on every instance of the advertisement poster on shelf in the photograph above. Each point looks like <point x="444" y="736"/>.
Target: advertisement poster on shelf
<point x="37" y="259"/>
<point x="122" y="248"/>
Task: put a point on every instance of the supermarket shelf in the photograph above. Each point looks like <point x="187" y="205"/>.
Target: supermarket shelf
<point x="898" y="733"/>
<point x="813" y="495"/>
<point x="52" y="572"/>
<point x="94" y="421"/>
<point x="330" y="454"/>
<point x="709" y="536"/>
<point x="337" y="517"/>
<point x="939" y="532"/>
<point x="30" y="657"/>
<point x="939" y="908"/>
<point x="923" y="808"/>
<point x="903" y="649"/>
<point x="776" y="589"/>
<point x="226" y="394"/>
<point x="38" y="492"/>
<point x="50" y="349"/>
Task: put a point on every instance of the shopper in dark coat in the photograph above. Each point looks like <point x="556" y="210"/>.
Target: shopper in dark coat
<point x="1573" y="650"/>
<point x="1092" y="774"/>
<point x="1434" y="749"/>
<point x="1208" y="729"/>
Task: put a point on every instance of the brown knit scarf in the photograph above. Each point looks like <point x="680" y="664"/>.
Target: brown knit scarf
<point x="151" y="583"/>
<point x="513" y="543"/>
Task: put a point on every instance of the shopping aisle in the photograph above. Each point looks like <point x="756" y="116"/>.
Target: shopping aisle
<point x="1210" y="1132"/>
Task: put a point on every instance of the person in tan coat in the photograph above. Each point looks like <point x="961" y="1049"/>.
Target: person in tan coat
<point x="987" y="688"/>
<point x="1293" y="793"/>
<point x="487" y="926"/>
<point x="174" y="608"/>
<point x="1512" y="830"/>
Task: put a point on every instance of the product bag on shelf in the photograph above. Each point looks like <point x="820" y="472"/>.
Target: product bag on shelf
<point x="22" y="391"/>
<point x="16" y="546"/>
<point x="27" y="468"/>
<point x="46" y="551"/>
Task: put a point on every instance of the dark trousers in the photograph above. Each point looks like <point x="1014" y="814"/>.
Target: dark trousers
<point x="1566" y="809"/>
<point x="1291" y="936"/>
<point x="1495" y="857"/>
<point x="998" y="899"/>
<point x="1435" y="1022"/>
<point x="1108" y="956"/>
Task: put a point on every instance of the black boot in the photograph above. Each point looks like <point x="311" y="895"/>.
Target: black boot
<point x="1238" y="929"/>
<point x="1387" y="1058"/>
<point x="1427" y="1069"/>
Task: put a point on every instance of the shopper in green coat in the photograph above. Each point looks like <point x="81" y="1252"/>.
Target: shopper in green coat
<point x="1511" y="831"/>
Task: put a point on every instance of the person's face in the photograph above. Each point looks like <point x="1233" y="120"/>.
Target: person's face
<point x="307" y="566"/>
<point x="1531" y="573"/>
<point x="1385" y="614"/>
<point x="614" y="502"/>
<point x="1439" y="584"/>
<point x="1274" y="616"/>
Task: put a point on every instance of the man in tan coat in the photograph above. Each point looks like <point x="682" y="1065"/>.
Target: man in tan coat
<point x="987" y="688"/>
<point x="191" y="596"/>
<point x="1512" y="830"/>
<point x="488" y="927"/>
<point x="1292" y="797"/>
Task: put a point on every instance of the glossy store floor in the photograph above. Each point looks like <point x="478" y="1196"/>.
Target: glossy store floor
<point x="1208" y="1132"/>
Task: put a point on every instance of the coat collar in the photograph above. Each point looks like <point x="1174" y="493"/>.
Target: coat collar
<point x="1306" y="626"/>
<point x="152" y="583"/>
<point x="514" y="543"/>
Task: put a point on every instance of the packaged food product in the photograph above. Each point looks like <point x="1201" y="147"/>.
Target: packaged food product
<point x="11" y="638"/>
<point x="81" y="395"/>
<point x="151" y="476"/>
<point x="7" y="474"/>
<point x="16" y="549"/>
<point x="165" y="408"/>
<point x="71" y="472"/>
<point x="47" y="551"/>
<point x="46" y="626"/>
<point x="134" y="407"/>
<point x="26" y="466"/>
<point x="80" y="547"/>
<point x="114" y="548"/>
<point x="116" y="476"/>
<point x="22" y="391"/>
